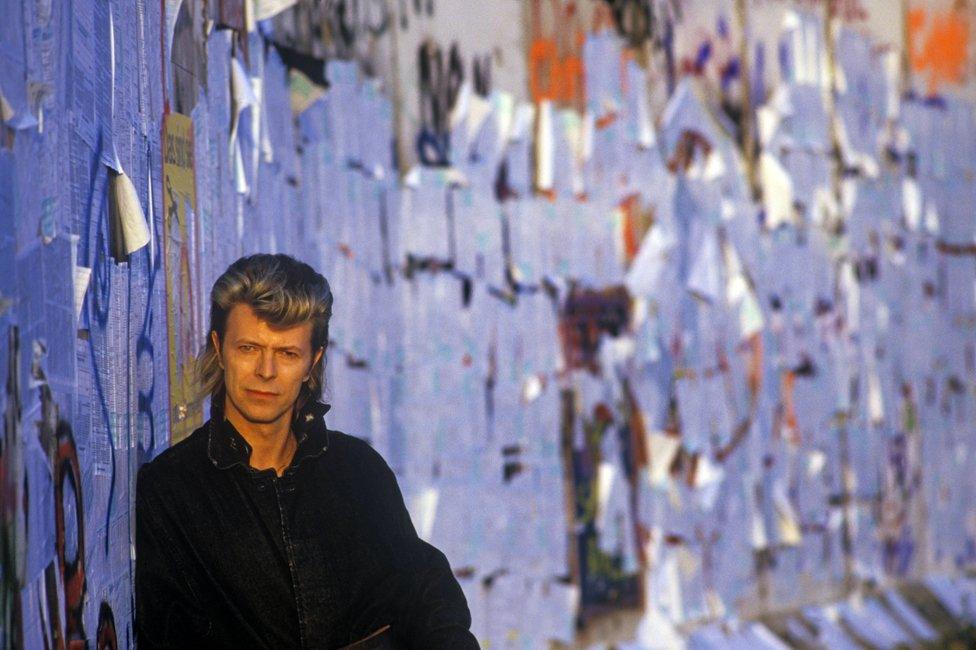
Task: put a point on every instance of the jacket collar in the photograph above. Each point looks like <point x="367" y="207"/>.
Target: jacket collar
<point x="226" y="447"/>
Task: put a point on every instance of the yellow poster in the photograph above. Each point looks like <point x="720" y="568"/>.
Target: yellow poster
<point x="179" y="223"/>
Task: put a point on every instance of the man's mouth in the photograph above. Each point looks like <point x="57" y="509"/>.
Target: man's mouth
<point x="260" y="393"/>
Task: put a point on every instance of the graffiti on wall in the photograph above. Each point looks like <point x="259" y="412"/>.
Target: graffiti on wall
<point x="179" y="252"/>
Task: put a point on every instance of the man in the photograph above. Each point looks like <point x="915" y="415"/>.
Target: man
<point x="265" y="529"/>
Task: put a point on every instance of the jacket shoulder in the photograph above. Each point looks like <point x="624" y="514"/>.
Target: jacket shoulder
<point x="176" y="461"/>
<point x="357" y="451"/>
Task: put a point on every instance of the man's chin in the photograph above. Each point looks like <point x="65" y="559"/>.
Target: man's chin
<point x="262" y="415"/>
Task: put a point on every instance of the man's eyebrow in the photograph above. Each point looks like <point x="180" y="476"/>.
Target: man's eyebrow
<point x="259" y="345"/>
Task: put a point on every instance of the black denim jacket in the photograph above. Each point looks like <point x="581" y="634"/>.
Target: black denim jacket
<point x="229" y="556"/>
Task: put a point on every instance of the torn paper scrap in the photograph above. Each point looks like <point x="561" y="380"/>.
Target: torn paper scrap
<point x="423" y="511"/>
<point x="705" y="280"/>
<point x="545" y="148"/>
<point x="605" y="475"/>
<point x="777" y="191"/>
<point x="661" y="449"/>
<point x="532" y="388"/>
<point x="264" y="9"/>
<point x="129" y="229"/>
<point x="303" y="92"/>
<point x="82" y="276"/>
<point x="6" y="110"/>
<point x="786" y="520"/>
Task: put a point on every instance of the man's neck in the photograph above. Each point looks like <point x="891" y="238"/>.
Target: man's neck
<point x="272" y="443"/>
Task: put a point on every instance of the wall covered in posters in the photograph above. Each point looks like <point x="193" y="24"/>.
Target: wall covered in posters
<point x="663" y="312"/>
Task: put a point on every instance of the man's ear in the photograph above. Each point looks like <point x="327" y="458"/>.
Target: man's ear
<point x="216" y="343"/>
<point x="315" y="360"/>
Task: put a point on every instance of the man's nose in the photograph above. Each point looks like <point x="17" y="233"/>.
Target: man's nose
<point x="266" y="365"/>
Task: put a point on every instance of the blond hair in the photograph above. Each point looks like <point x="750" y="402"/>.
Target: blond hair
<point x="281" y="290"/>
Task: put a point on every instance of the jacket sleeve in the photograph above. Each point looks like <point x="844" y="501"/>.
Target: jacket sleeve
<point x="430" y="608"/>
<point x="168" y="612"/>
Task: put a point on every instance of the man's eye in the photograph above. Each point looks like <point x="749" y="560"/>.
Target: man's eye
<point x="245" y="348"/>
<point x="289" y="354"/>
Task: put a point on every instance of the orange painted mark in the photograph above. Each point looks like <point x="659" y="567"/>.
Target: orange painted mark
<point x="626" y="56"/>
<point x="938" y="45"/>
<point x="605" y="120"/>
<point x="571" y="83"/>
<point x="553" y="77"/>
<point x="790" y="429"/>
<point x="549" y="195"/>
<point x="755" y="371"/>
<point x="542" y="61"/>
<point x="635" y="220"/>
<point x="628" y="226"/>
<point x="555" y="53"/>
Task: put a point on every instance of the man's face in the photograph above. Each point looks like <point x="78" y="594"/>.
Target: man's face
<point x="264" y="366"/>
